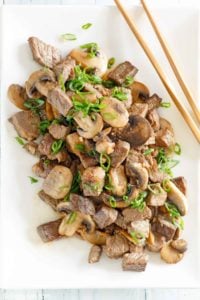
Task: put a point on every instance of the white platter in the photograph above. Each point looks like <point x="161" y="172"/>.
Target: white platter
<point x="25" y="261"/>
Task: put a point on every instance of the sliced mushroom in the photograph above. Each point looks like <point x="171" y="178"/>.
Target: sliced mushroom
<point x="44" y="87"/>
<point x="89" y="126"/>
<point x="137" y="171"/>
<point x="177" y="198"/>
<point x="99" y="62"/>
<point x="89" y="224"/>
<point x="96" y="238"/>
<point x="118" y="181"/>
<point x="170" y="255"/>
<point x="114" y="112"/>
<point x="155" y="242"/>
<point x="119" y="202"/>
<point x="17" y="95"/>
<point x="140" y="92"/>
<point x="49" y="111"/>
<point x="41" y="75"/>
<point x="58" y="182"/>
<point x="136" y="132"/>
<point x="179" y="245"/>
<point x="68" y="227"/>
<point x="105" y="145"/>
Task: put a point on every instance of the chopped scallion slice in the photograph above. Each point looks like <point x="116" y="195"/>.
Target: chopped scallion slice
<point x="86" y="26"/>
<point x="68" y="37"/>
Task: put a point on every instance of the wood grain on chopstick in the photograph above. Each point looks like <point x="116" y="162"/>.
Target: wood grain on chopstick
<point x="173" y="65"/>
<point x="187" y="117"/>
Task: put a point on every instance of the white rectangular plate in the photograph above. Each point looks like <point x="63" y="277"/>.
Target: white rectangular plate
<point x="25" y="261"/>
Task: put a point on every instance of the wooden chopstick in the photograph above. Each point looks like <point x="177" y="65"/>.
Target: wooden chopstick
<point x="172" y="63"/>
<point x="188" y="119"/>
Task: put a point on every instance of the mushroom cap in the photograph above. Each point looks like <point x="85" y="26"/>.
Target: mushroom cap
<point x="139" y="91"/>
<point x="17" y="95"/>
<point x="119" y="181"/>
<point x="98" y="62"/>
<point x="136" y="132"/>
<point x="89" y="126"/>
<point x="170" y="255"/>
<point x="114" y="112"/>
<point x="69" y="228"/>
<point x="179" y="245"/>
<point x="177" y="198"/>
<point x="96" y="238"/>
<point x="136" y="170"/>
<point x="40" y="75"/>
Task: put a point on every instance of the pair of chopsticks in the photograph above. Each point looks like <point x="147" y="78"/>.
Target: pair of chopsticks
<point x="187" y="117"/>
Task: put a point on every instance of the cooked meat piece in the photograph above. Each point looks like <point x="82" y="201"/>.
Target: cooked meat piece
<point x="136" y="248"/>
<point x="32" y="148"/>
<point x="116" y="246"/>
<point x="49" y="200"/>
<point x="134" y="262"/>
<point x="61" y="156"/>
<point x="105" y="216"/>
<point x="154" y="119"/>
<point x="102" y="90"/>
<point x="58" y="131"/>
<point x="95" y="254"/>
<point x="164" y="227"/>
<point x="136" y="132"/>
<point x="82" y="204"/>
<point x="87" y="160"/>
<point x="133" y="214"/>
<point x="92" y="181"/>
<point x="153" y="101"/>
<point x="181" y="184"/>
<point x="26" y="124"/>
<point x="155" y="242"/>
<point x="46" y="55"/>
<point x="110" y="229"/>
<point x="60" y="101"/>
<point x="120" y="153"/>
<point x="49" y="231"/>
<point x="43" y="168"/>
<point x="135" y="169"/>
<point x="165" y="136"/>
<point x="65" y="69"/>
<point x="44" y="147"/>
<point x="141" y="227"/>
<point x="105" y="145"/>
<point x="138" y="109"/>
<point x="120" y="73"/>
<point x="157" y="198"/>
<point x="17" y="95"/>
<point x="58" y="182"/>
<point x="120" y="221"/>
<point x="118" y="181"/>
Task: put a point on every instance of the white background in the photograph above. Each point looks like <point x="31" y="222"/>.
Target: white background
<point x="98" y="294"/>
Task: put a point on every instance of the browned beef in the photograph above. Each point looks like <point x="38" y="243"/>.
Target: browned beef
<point x="120" y="221"/>
<point x="44" y="147"/>
<point x="120" y="73"/>
<point x="82" y="204"/>
<point x="65" y="69"/>
<point x="164" y="227"/>
<point x="87" y="160"/>
<point x="164" y="138"/>
<point x="120" y="153"/>
<point x="154" y="119"/>
<point x="58" y="131"/>
<point x="105" y="216"/>
<point x="153" y="101"/>
<point x="141" y="227"/>
<point x="26" y="124"/>
<point x="31" y="147"/>
<point x="134" y="262"/>
<point x="43" y="168"/>
<point x="181" y="184"/>
<point x="49" y="200"/>
<point x="95" y="254"/>
<point x="49" y="231"/>
<point x="46" y="55"/>
<point x="60" y="101"/>
<point x="140" y="109"/>
<point x="116" y="246"/>
<point x="92" y="181"/>
<point x="133" y="214"/>
<point x="159" y="199"/>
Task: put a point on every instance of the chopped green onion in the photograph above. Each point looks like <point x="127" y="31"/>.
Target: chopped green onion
<point x="165" y="104"/>
<point x="108" y="84"/>
<point x="128" y="81"/>
<point x="34" y="104"/>
<point x="165" y="163"/>
<point x="92" y="153"/>
<point x="155" y="188"/>
<point x="125" y="198"/>
<point x="109" y="185"/>
<point x="109" y="116"/>
<point x="165" y="185"/>
<point x="32" y="179"/>
<point x="91" y="48"/>
<point x="86" y="26"/>
<point x="111" y="62"/>
<point x="76" y="183"/>
<point x="46" y="162"/>
<point x="177" y="149"/>
<point x="148" y="151"/>
<point x="105" y="161"/>
<point x="175" y="215"/>
<point x="44" y="126"/>
<point x="72" y="217"/>
<point x="119" y="94"/>
<point x="86" y="107"/>
<point x="76" y="85"/>
<point x="80" y="147"/>
<point x="19" y="140"/>
<point x="68" y="37"/>
<point x="57" y="146"/>
<point x="139" y="202"/>
<point x="61" y="82"/>
<point x="136" y="236"/>
<point x="112" y="201"/>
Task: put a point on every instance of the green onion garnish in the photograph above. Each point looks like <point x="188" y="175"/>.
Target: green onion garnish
<point x="165" y="185"/>
<point x="44" y="126"/>
<point x="105" y="161"/>
<point x="86" y="26"/>
<point x="148" y="151"/>
<point x="68" y="37"/>
<point x="32" y="179"/>
<point x="177" y="149"/>
<point x="19" y="140"/>
<point x="112" y="201"/>
<point x="139" y="202"/>
<point x="165" y="104"/>
<point x="175" y="215"/>
<point x="57" y="146"/>
<point x="72" y="217"/>
<point x="119" y="94"/>
<point x="111" y="62"/>
<point x="155" y="188"/>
